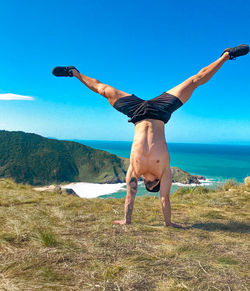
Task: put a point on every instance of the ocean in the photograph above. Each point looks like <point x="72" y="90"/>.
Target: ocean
<point x="217" y="163"/>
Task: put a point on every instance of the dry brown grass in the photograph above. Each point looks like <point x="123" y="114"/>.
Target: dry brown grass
<point x="50" y="241"/>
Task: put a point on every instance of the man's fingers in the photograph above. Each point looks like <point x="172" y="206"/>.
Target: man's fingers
<point x="175" y="225"/>
<point x="121" y="222"/>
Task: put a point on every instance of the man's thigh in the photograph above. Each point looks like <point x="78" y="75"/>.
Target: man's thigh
<point x="184" y="90"/>
<point x="112" y="94"/>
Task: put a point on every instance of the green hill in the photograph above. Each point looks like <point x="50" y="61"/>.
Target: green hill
<point x="61" y="242"/>
<point x="36" y="160"/>
<point x="30" y="158"/>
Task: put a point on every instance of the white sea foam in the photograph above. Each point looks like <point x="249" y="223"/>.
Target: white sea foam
<point x="206" y="182"/>
<point x="93" y="190"/>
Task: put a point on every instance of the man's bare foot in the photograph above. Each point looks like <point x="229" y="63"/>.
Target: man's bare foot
<point x="121" y="222"/>
<point x="174" y="225"/>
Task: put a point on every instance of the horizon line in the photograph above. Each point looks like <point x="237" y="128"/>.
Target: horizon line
<point x="170" y="142"/>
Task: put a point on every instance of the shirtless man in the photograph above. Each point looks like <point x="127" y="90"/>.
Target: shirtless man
<point x="149" y="157"/>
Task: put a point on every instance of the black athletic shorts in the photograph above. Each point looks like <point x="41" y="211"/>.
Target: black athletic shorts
<point x="137" y="109"/>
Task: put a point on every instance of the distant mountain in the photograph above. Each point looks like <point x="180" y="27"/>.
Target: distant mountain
<point x="31" y="158"/>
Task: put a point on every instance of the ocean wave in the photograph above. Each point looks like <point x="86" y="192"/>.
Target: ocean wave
<point x="93" y="190"/>
<point x="206" y="182"/>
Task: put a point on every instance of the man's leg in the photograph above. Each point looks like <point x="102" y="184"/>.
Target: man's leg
<point x="107" y="91"/>
<point x="184" y="90"/>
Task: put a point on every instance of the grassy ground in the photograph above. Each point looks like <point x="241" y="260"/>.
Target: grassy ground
<point x="50" y="241"/>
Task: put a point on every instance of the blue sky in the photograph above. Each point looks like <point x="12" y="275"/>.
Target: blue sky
<point x="141" y="47"/>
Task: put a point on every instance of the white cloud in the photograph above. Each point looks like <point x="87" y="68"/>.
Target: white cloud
<point x="10" y="96"/>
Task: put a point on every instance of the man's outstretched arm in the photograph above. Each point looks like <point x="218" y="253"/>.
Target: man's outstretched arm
<point x="131" y="181"/>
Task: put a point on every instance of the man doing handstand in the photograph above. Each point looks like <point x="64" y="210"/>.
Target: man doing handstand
<point x="149" y="156"/>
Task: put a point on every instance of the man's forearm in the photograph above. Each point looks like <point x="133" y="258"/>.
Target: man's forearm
<point x="130" y="198"/>
<point x="128" y="209"/>
<point x="166" y="209"/>
<point x="131" y="181"/>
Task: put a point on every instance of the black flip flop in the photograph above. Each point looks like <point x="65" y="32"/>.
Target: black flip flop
<point x="237" y="51"/>
<point x="63" y="71"/>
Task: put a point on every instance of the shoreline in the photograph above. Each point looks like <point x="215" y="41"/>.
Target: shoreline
<point x="94" y="190"/>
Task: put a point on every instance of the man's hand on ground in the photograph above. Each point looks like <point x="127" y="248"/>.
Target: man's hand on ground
<point x="174" y="225"/>
<point x="121" y="222"/>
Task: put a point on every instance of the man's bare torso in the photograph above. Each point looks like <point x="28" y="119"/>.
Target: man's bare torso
<point x="149" y="154"/>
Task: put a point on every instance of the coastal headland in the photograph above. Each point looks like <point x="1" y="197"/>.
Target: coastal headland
<point x="39" y="161"/>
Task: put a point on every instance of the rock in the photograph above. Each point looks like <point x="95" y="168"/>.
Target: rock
<point x="50" y="188"/>
<point x="58" y="189"/>
<point x="54" y="188"/>
<point x="194" y="180"/>
<point x="184" y="177"/>
<point x="199" y="177"/>
<point x="69" y="191"/>
<point x="247" y="181"/>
